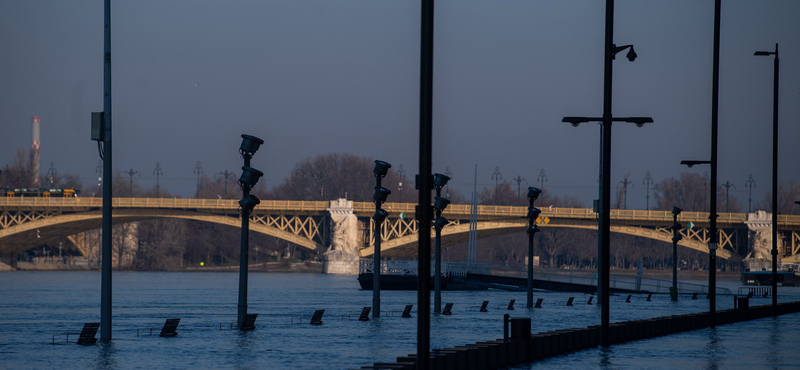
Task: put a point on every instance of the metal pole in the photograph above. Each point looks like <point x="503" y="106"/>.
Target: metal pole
<point x="105" y="290"/>
<point x="712" y="255"/>
<point x="437" y="295"/>
<point x="243" y="253"/>
<point x="437" y="263"/>
<point x="606" y="181"/>
<point x="425" y="184"/>
<point x="376" y="264"/>
<point x="529" y="302"/>
<point x="675" y="256"/>
<point x="775" y="187"/>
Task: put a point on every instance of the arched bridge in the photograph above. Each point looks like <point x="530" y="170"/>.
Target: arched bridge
<point x="28" y="222"/>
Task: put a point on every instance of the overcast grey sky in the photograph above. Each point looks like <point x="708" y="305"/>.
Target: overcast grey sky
<point x="318" y="76"/>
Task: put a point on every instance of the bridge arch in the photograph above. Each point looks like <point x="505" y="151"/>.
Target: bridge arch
<point x="18" y="238"/>
<point x="458" y="233"/>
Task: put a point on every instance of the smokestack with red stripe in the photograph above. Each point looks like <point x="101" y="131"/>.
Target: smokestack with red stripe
<point x="35" y="153"/>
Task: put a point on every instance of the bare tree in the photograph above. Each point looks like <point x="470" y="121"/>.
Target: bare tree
<point x="788" y="193"/>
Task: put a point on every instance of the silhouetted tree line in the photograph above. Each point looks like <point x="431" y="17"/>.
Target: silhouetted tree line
<point x="172" y="243"/>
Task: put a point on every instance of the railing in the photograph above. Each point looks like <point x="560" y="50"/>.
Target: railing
<point x="590" y="278"/>
<point x="409" y="268"/>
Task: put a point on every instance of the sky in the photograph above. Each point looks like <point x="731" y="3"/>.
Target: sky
<point x="313" y="77"/>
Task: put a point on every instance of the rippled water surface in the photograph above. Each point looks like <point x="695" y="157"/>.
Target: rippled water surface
<point x="36" y="305"/>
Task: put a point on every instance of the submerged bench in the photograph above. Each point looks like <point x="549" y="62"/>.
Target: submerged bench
<point x="169" y="328"/>
<point x="249" y="322"/>
<point x="448" y="308"/>
<point x="317" y="318"/>
<point x="87" y="335"/>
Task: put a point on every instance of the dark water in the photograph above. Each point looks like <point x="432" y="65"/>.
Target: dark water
<point x="36" y="305"/>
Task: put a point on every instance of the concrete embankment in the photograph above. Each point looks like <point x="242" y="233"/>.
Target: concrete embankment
<point x="523" y="347"/>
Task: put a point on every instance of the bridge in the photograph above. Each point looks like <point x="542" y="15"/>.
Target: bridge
<point x="316" y="225"/>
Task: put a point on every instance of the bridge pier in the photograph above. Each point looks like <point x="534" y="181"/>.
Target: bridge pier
<point x="342" y="255"/>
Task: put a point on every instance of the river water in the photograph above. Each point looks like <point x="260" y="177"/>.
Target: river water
<point x="36" y="305"/>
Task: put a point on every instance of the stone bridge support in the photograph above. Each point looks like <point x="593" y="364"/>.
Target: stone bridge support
<point x="342" y="255"/>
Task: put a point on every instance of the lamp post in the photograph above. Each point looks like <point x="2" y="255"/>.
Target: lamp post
<point x="712" y="242"/>
<point x="604" y="222"/>
<point x="728" y="185"/>
<point x="751" y="183"/>
<point x="381" y="193"/>
<point x="52" y="173"/>
<point x="198" y="170"/>
<point x="776" y="70"/>
<point x="449" y="175"/>
<point x="533" y="214"/>
<point x="496" y="176"/>
<point x="439" y="181"/>
<point x="542" y="179"/>
<point x="648" y="180"/>
<point x="625" y="184"/>
<point x="402" y="175"/>
<point x="249" y="178"/>
<point x="158" y="174"/>
<point x="676" y="237"/>
<point x="519" y="181"/>
<point x="226" y="174"/>
<point x="130" y="173"/>
<point x="99" y="171"/>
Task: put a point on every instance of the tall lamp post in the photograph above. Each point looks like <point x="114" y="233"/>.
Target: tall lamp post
<point x="774" y="176"/>
<point x="533" y="214"/>
<point x="225" y="175"/>
<point x="712" y="217"/>
<point x="611" y="50"/>
<point x="249" y="178"/>
<point x="401" y="173"/>
<point x="157" y="172"/>
<point x="750" y="183"/>
<point x="381" y="193"/>
<point x="439" y="181"/>
<point x="496" y="176"/>
<point x="676" y="237"/>
<point x="519" y="181"/>
<point x="198" y="170"/>
<point x="648" y="180"/>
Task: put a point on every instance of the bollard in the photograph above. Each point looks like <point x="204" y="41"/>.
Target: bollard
<point x="481" y="355"/>
<point x="449" y="358"/>
<point x="460" y="355"/>
<point x="520" y="328"/>
<point x="471" y="355"/>
<point x="491" y="354"/>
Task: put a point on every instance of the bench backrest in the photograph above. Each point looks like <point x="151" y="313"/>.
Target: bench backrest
<point x="538" y="303"/>
<point x="407" y="310"/>
<point x="447" y="309"/>
<point x="317" y="318"/>
<point x="569" y="301"/>
<point x="483" y="306"/>
<point x="364" y="316"/>
<point x="169" y="328"/>
<point x="249" y="321"/>
<point x="88" y="333"/>
<point x="511" y="304"/>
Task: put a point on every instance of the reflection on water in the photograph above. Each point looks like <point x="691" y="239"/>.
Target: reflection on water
<point x="36" y="305"/>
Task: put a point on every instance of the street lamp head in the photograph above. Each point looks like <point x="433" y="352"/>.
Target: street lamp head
<point x="677" y="238"/>
<point x="575" y="121"/>
<point x="439" y="180"/>
<point x="440" y="222"/>
<point x="764" y="53"/>
<point x="639" y="121"/>
<point x="676" y="211"/>
<point x="380" y="215"/>
<point x="676" y="226"/>
<point x="533" y="193"/>
<point x="616" y="49"/>
<point x="631" y="54"/>
<point x="532" y="230"/>
<point x="440" y="203"/>
<point x="249" y="177"/>
<point x="249" y="145"/>
<point x="381" y="169"/>
<point x="533" y="213"/>
<point x="248" y="203"/>
<point x="692" y="163"/>
<point x="381" y="194"/>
